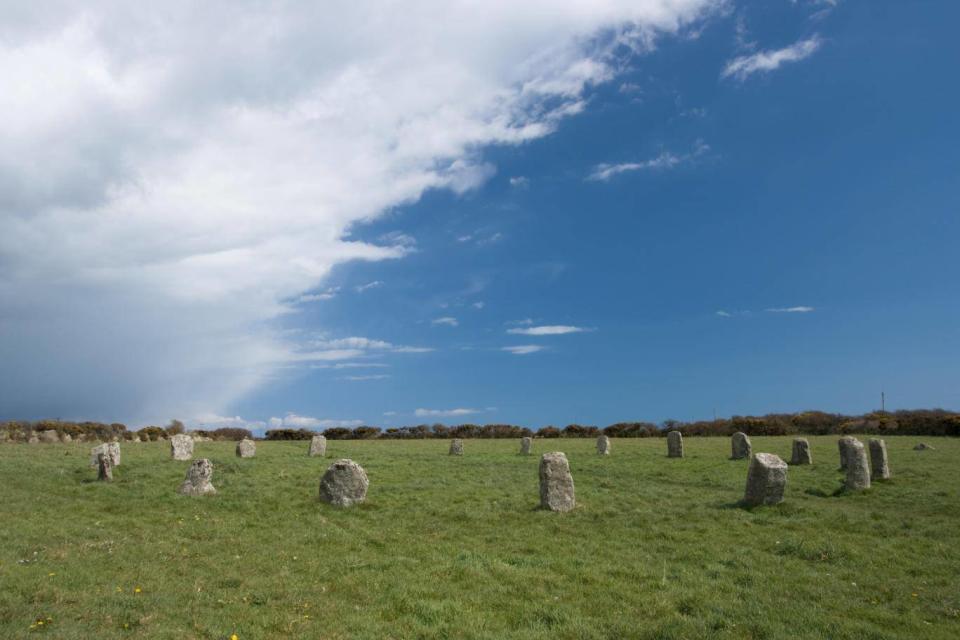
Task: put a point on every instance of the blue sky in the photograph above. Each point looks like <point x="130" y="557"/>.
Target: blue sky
<point x="757" y="214"/>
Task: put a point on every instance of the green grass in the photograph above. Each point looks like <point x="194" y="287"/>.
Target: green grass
<point x="450" y="547"/>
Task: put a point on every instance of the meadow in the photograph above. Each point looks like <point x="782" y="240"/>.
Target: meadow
<point x="449" y="547"/>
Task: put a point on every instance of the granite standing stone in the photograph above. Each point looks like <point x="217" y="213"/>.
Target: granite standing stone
<point x="344" y="484"/>
<point x="843" y="444"/>
<point x="181" y="447"/>
<point x="858" y="469"/>
<point x="318" y="446"/>
<point x="112" y="449"/>
<point x="740" y="446"/>
<point x="49" y="436"/>
<point x="556" y="483"/>
<point x="766" y="480"/>
<point x="878" y="460"/>
<point x="801" y="452"/>
<point x="525" y="445"/>
<point x="104" y="467"/>
<point x="246" y="448"/>
<point x="197" y="482"/>
<point x="456" y="447"/>
<point x="603" y="445"/>
<point x="674" y="444"/>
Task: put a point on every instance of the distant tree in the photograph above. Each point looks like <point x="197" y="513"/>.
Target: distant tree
<point x="174" y="428"/>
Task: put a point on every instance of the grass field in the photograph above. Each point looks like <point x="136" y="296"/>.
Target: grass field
<point x="450" y="547"/>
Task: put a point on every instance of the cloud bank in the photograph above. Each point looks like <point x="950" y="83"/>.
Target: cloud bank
<point x="166" y="196"/>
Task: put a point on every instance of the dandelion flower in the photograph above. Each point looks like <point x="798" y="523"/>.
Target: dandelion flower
<point x="234" y="637"/>
<point x="137" y="590"/>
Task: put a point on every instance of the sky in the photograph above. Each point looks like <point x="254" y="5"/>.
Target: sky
<point x="313" y="215"/>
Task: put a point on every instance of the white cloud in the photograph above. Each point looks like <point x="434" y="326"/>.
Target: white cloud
<point x="522" y="323"/>
<point x="724" y="314"/>
<point x="176" y="192"/>
<point x="666" y="160"/>
<point x="210" y="421"/>
<point x="790" y="310"/>
<point x="742" y="67"/>
<point x="294" y="421"/>
<point x="547" y="330"/>
<point x="446" y="320"/>
<point x="370" y="285"/>
<point x="519" y="182"/>
<point x="328" y="294"/>
<point x="351" y="365"/>
<point x="479" y="305"/>
<point x="444" y="413"/>
<point x="365" y="378"/>
<point x="523" y="349"/>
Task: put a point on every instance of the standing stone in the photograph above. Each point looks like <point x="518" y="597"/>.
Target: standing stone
<point x="344" y="484"/>
<point x="843" y="444"/>
<point x="49" y="436"/>
<point x="740" y="446"/>
<point x="112" y="449"/>
<point x="197" y="482"/>
<point x="33" y="439"/>
<point x="104" y="468"/>
<point x="858" y="469"/>
<point x="801" y="452"/>
<point x="525" y="445"/>
<point x="674" y="444"/>
<point x="556" y="483"/>
<point x="246" y="448"/>
<point x="766" y="480"/>
<point x="603" y="445"/>
<point x="456" y="447"/>
<point x="318" y="446"/>
<point x="181" y="447"/>
<point x="67" y="438"/>
<point x="878" y="460"/>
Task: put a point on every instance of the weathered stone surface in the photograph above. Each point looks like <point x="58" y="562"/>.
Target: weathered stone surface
<point x="181" y="447"/>
<point x="112" y="449"/>
<point x="880" y="466"/>
<point x="49" y="436"/>
<point x="246" y="448"/>
<point x="740" y="446"/>
<point x="198" y="479"/>
<point x="766" y="480"/>
<point x="456" y="447"/>
<point x="674" y="444"/>
<point x="318" y="446"/>
<point x="801" y="452"/>
<point x="923" y="446"/>
<point x="104" y="467"/>
<point x="344" y="484"/>
<point x="603" y="445"/>
<point x="66" y="438"/>
<point x="556" y="483"/>
<point x="33" y="439"/>
<point x="843" y="444"/>
<point x="858" y="469"/>
<point x="526" y="444"/>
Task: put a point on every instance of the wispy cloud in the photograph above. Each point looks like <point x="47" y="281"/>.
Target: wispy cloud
<point x="350" y="349"/>
<point x="547" y="330"/>
<point x="521" y="323"/>
<point x="448" y="321"/>
<point x="370" y="285"/>
<point x="351" y="365"/>
<point x="790" y="310"/>
<point x="382" y="376"/>
<point x="519" y="182"/>
<point x="724" y="314"/>
<point x="666" y="160"/>
<point x="742" y="67"/>
<point x="328" y="294"/>
<point x="295" y="421"/>
<point x="445" y="413"/>
<point x="523" y="349"/>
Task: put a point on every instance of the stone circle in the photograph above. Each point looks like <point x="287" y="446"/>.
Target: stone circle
<point x="556" y="483"/>
<point x="766" y="480"/>
<point x="198" y="479"/>
<point x="344" y="484"/>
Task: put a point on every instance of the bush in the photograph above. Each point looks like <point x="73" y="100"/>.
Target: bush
<point x="289" y="434"/>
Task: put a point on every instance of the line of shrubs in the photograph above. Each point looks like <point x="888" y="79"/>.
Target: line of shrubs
<point x="918" y="422"/>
